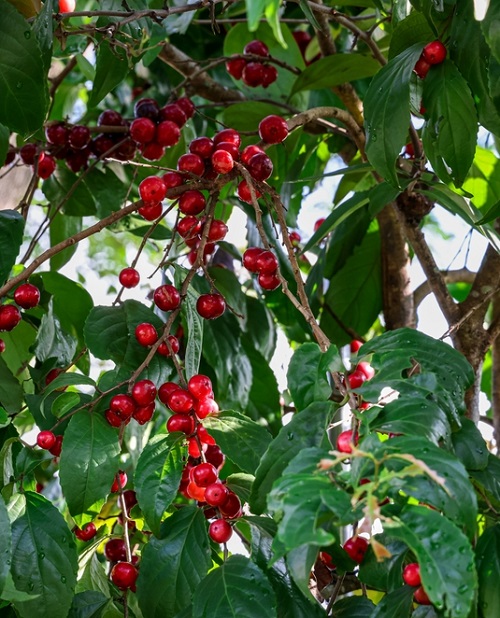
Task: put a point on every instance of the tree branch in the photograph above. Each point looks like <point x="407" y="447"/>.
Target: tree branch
<point x="462" y="275"/>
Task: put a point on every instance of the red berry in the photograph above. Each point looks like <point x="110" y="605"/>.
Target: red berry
<point x="123" y="406"/>
<point x="146" y="334"/>
<point x="269" y="281"/>
<point x="302" y="38"/>
<point x="124" y="575"/>
<point x="421" y="597"/>
<point x="115" y="550"/>
<point x="113" y="419"/>
<point x="215" y="456"/>
<point x="181" y="422"/>
<point x="78" y="160"/>
<point x="206" y="406"/>
<point x="244" y="192"/>
<point x="218" y="230"/>
<point x="222" y="162"/>
<point x="195" y="492"/>
<point x="260" y="166"/>
<point x="366" y="369"/>
<point x="204" y="436"/>
<point x="167" y="133"/>
<point x="173" y="113"/>
<point x="191" y="163"/>
<point x="151" y="212"/>
<point x="46" y="166"/>
<point x="259" y="48"/>
<point x="229" y="147"/>
<point x="180" y="401"/>
<point x="143" y="414"/>
<point x="146" y="108"/>
<point x="231" y="509"/>
<point x="295" y="238"/>
<point x="52" y="375"/>
<point x="167" y="297"/>
<point x="187" y="106"/>
<point x="250" y="258"/>
<point x="101" y="144"/>
<point x="270" y="75"/>
<point x="163" y="349"/>
<point x="202" y="146"/>
<point x="249" y="152"/>
<point x="216" y="494"/>
<point x="152" y="189"/>
<point x="210" y="306"/>
<point x="9" y="317"/>
<point x="356" y="548"/>
<point x="129" y="277"/>
<point x="46" y="440"/>
<point x="192" y="202"/>
<point x="27" y="296"/>
<point x="345" y="441"/>
<point x="266" y="262"/>
<point x="319" y="223"/>
<point x="421" y="68"/>
<point x="152" y="151"/>
<point x="172" y="180"/>
<point x="326" y="559"/>
<point x="79" y="137"/>
<point x="253" y="74"/>
<point x="235" y="67"/>
<point x="143" y="130"/>
<point x="355" y="345"/>
<point x="200" y="386"/>
<point x="228" y="135"/>
<point x="411" y="574"/>
<point x="119" y="482"/>
<point x="86" y="533"/>
<point x="203" y="474"/>
<point x="57" y="448"/>
<point x="189" y="227"/>
<point x="273" y="129"/>
<point x="166" y="390"/>
<point x="56" y="133"/>
<point x="434" y="53"/>
<point x="220" y="531"/>
<point x="28" y="153"/>
<point x="356" y="379"/>
<point x="144" y="392"/>
<point x="410" y="150"/>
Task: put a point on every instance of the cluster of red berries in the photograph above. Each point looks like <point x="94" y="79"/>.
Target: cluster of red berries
<point x="264" y="263"/>
<point x="411" y="577"/>
<point x="433" y="53"/>
<point x="355" y="547"/>
<point x="139" y="405"/>
<point x="26" y="296"/>
<point x="253" y="73"/>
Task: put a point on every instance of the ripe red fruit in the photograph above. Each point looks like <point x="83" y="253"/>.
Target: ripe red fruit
<point x="266" y="262"/>
<point x="210" y="306"/>
<point x="56" y="134"/>
<point x="411" y="574"/>
<point x="166" y="390"/>
<point x="195" y="492"/>
<point x="326" y="559"/>
<point x="115" y="550"/>
<point x="189" y="226"/>
<point x="345" y="441"/>
<point x="129" y="277"/>
<point x="269" y="281"/>
<point x="250" y="258"/>
<point x="46" y="440"/>
<point x="144" y="392"/>
<point x="220" y="531"/>
<point x="146" y="108"/>
<point x="52" y="375"/>
<point x="218" y="230"/>
<point x="206" y="406"/>
<point x="295" y="238"/>
<point x="204" y="436"/>
<point x="151" y="212"/>
<point x="231" y="509"/>
<point x="249" y="152"/>
<point x="187" y="106"/>
<point x="356" y="379"/>
<point x="434" y="53"/>
<point x="356" y="548"/>
<point x="57" y="448"/>
<point x="143" y="130"/>
<point x="86" y="533"/>
<point x="235" y="67"/>
<point x="166" y="297"/>
<point x="28" y="153"/>
<point x="9" y="317"/>
<point x="27" y="296"/>
<point x="259" y="48"/>
<point x="228" y="135"/>
<point x="172" y="180"/>
<point x="244" y="192"/>
<point x="173" y="113"/>
<point x="79" y="137"/>
<point x="420" y="597"/>
<point x="216" y="494"/>
<point x="67" y="6"/>
<point x="119" y="482"/>
<point x="319" y="223"/>
<point x="260" y="166"/>
<point x="167" y="133"/>
<point x="273" y="129"/>
<point x="192" y="202"/>
<point x="123" y="406"/>
<point x="270" y="75"/>
<point x="152" y="151"/>
<point x="174" y="345"/>
<point x="200" y="386"/>
<point x="222" y="162"/>
<point x="180" y="401"/>
<point x="181" y="422"/>
<point x="143" y="414"/>
<point x="215" y="456"/>
<point x="146" y="334"/>
<point x="124" y="575"/>
<point x="203" y="474"/>
<point x="202" y="146"/>
<point x="421" y="67"/>
<point x="366" y="369"/>
<point x="152" y="189"/>
<point x="113" y="419"/>
<point x="355" y="345"/>
<point x="253" y="74"/>
<point x="191" y="163"/>
<point x="46" y="166"/>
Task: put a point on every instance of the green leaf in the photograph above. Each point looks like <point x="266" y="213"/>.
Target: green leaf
<point x="396" y="604"/>
<point x="386" y="574"/>
<point x="445" y="557"/>
<point x="62" y="188"/>
<point x="89" y="462"/>
<point x="387" y="112"/>
<point x="88" y="604"/>
<point x="44" y="32"/>
<point x="241" y="484"/>
<point x="64" y="380"/>
<point x="483" y="181"/>
<point x="244" y="441"/>
<point x="11" y="391"/>
<point x="308" y="373"/>
<point x="304" y="430"/>
<point x="237" y="588"/>
<point x="158" y="475"/>
<point x="108" y="191"/>
<point x="246" y="116"/>
<point x="272" y="13"/>
<point x="23" y="80"/>
<point x="255" y="10"/>
<point x="110" y="332"/>
<point x="304" y="5"/>
<point x="411" y="30"/>
<point x="92" y="575"/>
<point x="61" y="228"/>
<point x="111" y="69"/>
<point x="488" y="570"/>
<point x="44" y="560"/>
<point x="335" y="70"/>
<point x="11" y="237"/>
<point x="488" y="482"/>
<point x="264" y="398"/>
<point x="12" y="595"/>
<point x="354" y="296"/>
<point x="469" y="446"/>
<point x="450" y="132"/>
<point x="260" y="328"/>
<point x="353" y="607"/>
<point x="173" y="567"/>
<point x="195" y="327"/>
<point x="52" y="341"/>
<point x="5" y="544"/>
<point x="490" y="26"/>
